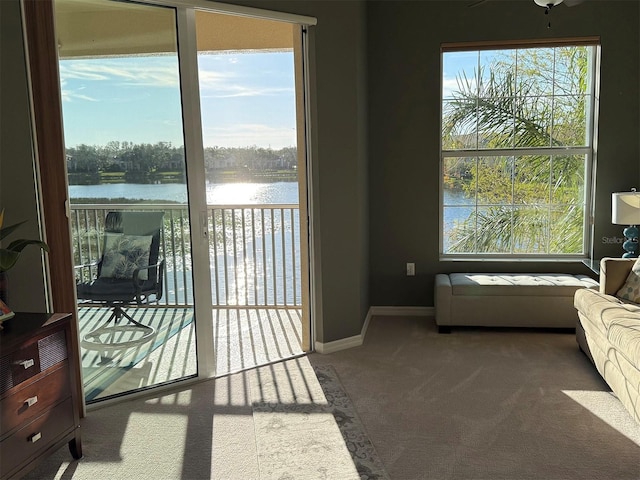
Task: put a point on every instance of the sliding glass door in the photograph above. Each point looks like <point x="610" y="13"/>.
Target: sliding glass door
<point x="129" y="211"/>
<point x="184" y="133"/>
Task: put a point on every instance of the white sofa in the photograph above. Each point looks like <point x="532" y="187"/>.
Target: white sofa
<point x="608" y="332"/>
<point x="507" y="299"/>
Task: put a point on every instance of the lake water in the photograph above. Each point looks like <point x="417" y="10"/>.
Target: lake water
<point x="220" y="193"/>
<point x="217" y="193"/>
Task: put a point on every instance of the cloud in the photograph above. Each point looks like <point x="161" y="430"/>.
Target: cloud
<point x="242" y="135"/>
<point x="226" y="85"/>
<point x="149" y="72"/>
<point x="450" y="85"/>
<point x="232" y="91"/>
<point x="69" y="95"/>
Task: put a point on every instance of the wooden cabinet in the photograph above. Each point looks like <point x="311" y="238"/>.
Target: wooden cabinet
<point x="39" y="401"/>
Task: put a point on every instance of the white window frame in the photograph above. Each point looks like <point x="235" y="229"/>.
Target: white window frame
<point x="589" y="150"/>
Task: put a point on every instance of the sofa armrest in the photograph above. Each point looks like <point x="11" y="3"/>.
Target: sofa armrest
<point x="613" y="273"/>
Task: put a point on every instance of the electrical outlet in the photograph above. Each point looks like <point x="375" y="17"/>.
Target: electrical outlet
<point x="411" y="269"/>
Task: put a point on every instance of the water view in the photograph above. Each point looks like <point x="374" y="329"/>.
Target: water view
<point x="217" y="193"/>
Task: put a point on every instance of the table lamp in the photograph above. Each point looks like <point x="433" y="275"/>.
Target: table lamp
<point x="625" y="210"/>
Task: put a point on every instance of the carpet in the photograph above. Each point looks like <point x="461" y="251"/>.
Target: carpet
<point x="485" y="404"/>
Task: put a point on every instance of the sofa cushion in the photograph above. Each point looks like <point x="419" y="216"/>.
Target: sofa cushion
<point x="631" y="288"/>
<point x="624" y="334"/>
<point x="603" y="310"/>
<point x="520" y="284"/>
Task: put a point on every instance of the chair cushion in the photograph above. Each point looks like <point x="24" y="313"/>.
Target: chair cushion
<point x="107" y="290"/>
<point x="631" y="288"/>
<point x="123" y="254"/>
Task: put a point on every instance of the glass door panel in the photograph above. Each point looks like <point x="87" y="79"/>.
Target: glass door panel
<point x="129" y="212"/>
<point x="254" y="180"/>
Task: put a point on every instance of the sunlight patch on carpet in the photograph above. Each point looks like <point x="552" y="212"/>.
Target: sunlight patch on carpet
<point x="608" y="408"/>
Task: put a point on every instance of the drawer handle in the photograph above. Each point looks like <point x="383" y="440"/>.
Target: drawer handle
<point x="35" y="437"/>
<point x="31" y="401"/>
<point x="27" y="363"/>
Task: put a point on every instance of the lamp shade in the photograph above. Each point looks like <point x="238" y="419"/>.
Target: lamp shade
<point x="625" y="208"/>
<point x="546" y="3"/>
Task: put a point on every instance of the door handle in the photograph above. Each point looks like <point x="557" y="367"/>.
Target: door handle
<point x="204" y="224"/>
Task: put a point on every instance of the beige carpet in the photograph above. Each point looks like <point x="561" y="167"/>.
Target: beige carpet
<point x="477" y="404"/>
<point x="485" y="404"/>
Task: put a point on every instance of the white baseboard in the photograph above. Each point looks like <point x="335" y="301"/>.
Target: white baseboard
<point x="337" y="345"/>
<point x="357" y="340"/>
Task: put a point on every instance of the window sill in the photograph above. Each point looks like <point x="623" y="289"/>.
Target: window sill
<point x="515" y="259"/>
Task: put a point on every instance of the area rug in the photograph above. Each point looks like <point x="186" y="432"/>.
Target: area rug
<point x="307" y="427"/>
<point x="362" y="451"/>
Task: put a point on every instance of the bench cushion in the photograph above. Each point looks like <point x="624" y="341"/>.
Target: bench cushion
<point x="518" y="284"/>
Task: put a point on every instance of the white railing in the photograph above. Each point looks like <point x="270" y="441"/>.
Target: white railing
<point x="254" y="251"/>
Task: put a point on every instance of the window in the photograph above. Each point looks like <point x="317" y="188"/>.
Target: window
<point x="517" y="149"/>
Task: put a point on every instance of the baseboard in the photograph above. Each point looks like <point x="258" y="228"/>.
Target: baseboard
<point x="357" y="340"/>
<point x="337" y="345"/>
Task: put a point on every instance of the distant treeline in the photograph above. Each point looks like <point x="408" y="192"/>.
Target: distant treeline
<point x="162" y="162"/>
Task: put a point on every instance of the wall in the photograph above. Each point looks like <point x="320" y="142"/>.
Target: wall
<point x="17" y="180"/>
<point x="404" y="114"/>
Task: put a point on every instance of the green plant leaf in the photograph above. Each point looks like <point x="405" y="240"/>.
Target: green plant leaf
<point x="8" y="258"/>
<point x="18" y="245"/>
<point x="8" y="230"/>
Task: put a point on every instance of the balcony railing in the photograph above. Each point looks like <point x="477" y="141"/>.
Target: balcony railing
<point x="254" y="251"/>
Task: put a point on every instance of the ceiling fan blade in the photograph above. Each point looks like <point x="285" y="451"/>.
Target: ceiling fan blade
<point x="476" y="3"/>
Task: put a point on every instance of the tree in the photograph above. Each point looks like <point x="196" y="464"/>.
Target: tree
<point x="526" y="98"/>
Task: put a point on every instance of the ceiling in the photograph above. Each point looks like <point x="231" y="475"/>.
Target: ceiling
<point x="90" y="28"/>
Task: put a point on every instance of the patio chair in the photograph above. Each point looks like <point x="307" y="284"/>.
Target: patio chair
<point x="130" y="271"/>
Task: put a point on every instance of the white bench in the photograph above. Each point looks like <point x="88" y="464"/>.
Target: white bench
<point x="508" y="299"/>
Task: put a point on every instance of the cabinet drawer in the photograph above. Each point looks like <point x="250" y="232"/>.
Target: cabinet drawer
<point x="31" y="359"/>
<point x="35" y="437"/>
<point x="19" y="366"/>
<point x="27" y="403"/>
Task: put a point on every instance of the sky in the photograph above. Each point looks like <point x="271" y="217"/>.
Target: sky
<point x="246" y="99"/>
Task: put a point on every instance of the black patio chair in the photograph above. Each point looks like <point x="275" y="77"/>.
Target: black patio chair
<point x="130" y="271"/>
